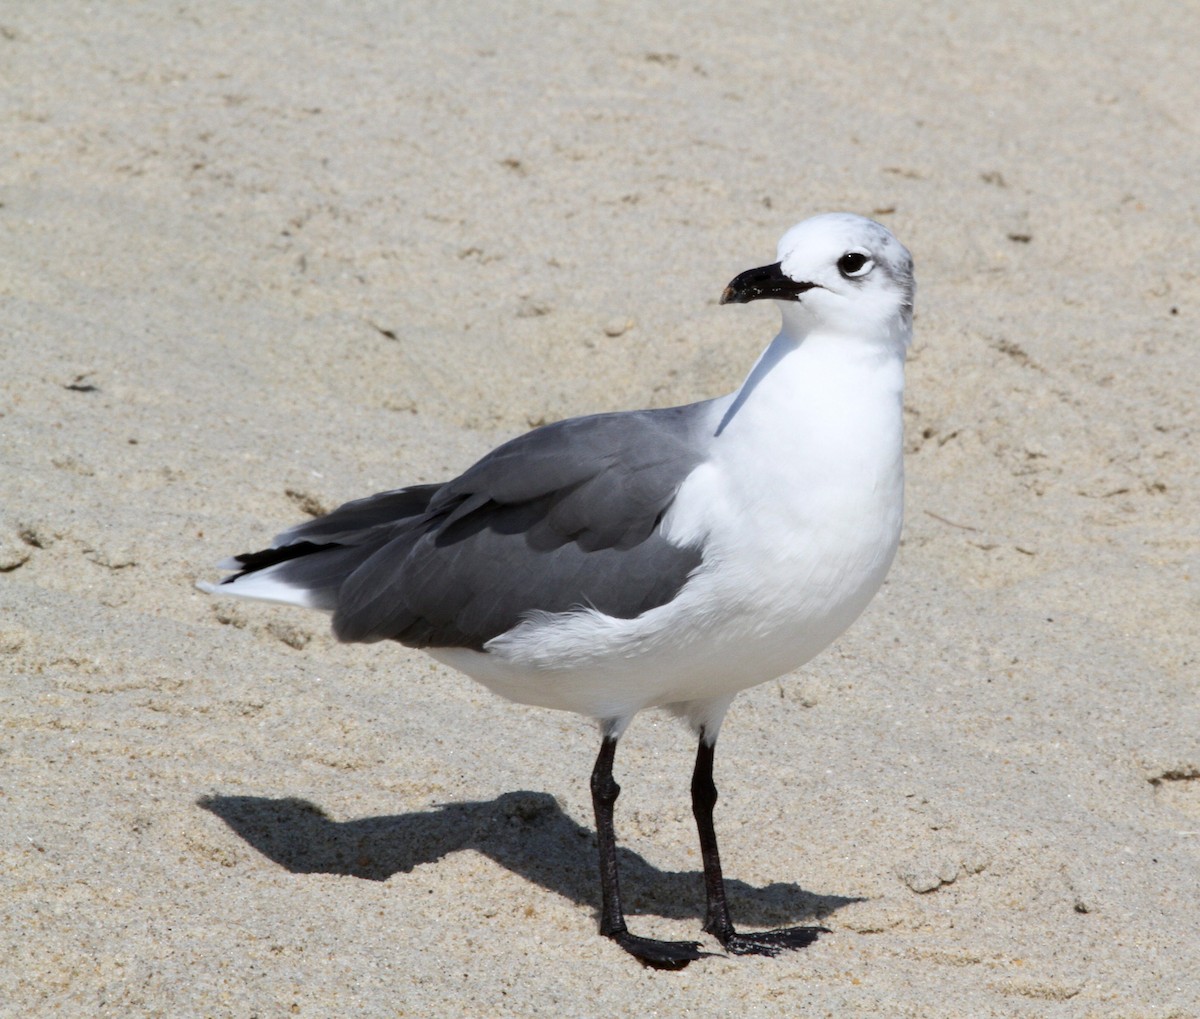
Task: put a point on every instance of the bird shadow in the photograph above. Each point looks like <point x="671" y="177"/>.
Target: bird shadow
<point x="526" y="832"/>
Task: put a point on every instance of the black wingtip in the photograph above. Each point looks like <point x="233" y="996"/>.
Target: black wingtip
<point x="252" y="562"/>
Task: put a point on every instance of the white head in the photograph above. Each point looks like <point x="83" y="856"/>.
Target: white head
<point x="837" y="273"/>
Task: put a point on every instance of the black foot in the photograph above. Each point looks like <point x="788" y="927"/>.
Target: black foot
<point x="771" y="942"/>
<point x="659" y="954"/>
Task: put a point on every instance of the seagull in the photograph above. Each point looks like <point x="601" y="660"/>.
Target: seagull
<point x="663" y="558"/>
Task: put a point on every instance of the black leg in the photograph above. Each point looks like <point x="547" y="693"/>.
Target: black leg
<point x="659" y="954"/>
<point x="717" y="921"/>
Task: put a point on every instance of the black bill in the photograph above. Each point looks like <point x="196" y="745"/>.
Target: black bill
<point x="768" y="281"/>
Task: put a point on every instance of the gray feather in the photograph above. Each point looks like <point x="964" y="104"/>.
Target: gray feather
<point x="564" y="517"/>
<point x="356" y="518"/>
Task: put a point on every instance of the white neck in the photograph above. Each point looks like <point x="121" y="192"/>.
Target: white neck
<point x="812" y="390"/>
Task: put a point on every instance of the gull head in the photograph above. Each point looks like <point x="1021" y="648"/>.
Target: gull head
<point x="837" y="273"/>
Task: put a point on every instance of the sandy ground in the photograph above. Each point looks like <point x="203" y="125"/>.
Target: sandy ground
<point x="261" y="258"/>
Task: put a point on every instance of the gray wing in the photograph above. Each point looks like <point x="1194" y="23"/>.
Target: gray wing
<point x="565" y="517"/>
<point x="357" y="519"/>
<point x="317" y="556"/>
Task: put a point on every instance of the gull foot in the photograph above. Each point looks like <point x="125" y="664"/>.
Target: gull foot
<point x="659" y="954"/>
<point x="771" y="942"/>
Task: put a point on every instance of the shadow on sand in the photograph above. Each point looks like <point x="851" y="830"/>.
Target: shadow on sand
<point x="526" y="832"/>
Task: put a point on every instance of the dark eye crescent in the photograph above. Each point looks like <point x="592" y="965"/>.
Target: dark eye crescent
<point x="854" y="263"/>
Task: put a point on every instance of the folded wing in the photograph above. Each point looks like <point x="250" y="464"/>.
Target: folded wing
<point x="566" y="517"/>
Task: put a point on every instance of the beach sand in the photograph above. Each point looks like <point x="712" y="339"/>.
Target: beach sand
<point x="261" y="259"/>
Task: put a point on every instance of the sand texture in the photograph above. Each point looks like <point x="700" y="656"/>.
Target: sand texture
<point x="258" y="259"/>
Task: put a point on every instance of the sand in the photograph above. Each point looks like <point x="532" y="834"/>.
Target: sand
<point x="258" y="259"/>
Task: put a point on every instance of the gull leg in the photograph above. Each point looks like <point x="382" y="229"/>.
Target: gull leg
<point x="717" y="921"/>
<point x="659" y="954"/>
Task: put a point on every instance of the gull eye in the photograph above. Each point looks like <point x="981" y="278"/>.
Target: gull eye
<point x="854" y="264"/>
